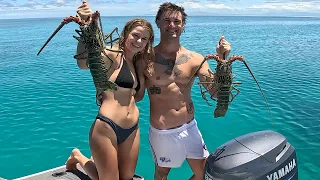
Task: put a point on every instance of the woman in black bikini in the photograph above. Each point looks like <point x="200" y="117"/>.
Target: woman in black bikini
<point x="114" y="136"/>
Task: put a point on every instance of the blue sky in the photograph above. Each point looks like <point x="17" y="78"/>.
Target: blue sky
<point x="16" y="9"/>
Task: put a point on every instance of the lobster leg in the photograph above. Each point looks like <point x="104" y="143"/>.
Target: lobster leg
<point x="233" y="96"/>
<point x="208" y="86"/>
<point x="214" y="93"/>
<point x="110" y="36"/>
<point x="234" y="76"/>
<point x="80" y="40"/>
<point x="78" y="55"/>
<point x="204" y="95"/>
<point x="80" y="34"/>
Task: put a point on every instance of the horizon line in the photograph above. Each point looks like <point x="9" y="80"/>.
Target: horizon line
<point x="277" y="16"/>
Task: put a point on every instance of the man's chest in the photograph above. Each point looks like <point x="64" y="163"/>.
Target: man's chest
<point x="166" y="73"/>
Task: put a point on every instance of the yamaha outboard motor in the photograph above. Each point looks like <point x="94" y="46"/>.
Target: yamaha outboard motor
<point x="263" y="155"/>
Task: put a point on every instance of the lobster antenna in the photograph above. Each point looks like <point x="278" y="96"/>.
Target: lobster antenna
<point x="101" y="28"/>
<point x="264" y="97"/>
<point x="53" y="34"/>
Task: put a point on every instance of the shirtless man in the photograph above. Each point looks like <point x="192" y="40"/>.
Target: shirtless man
<point x="174" y="135"/>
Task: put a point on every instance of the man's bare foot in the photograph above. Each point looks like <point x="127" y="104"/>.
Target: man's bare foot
<point x="72" y="161"/>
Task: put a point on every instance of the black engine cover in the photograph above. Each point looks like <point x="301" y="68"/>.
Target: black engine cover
<point x="263" y="155"/>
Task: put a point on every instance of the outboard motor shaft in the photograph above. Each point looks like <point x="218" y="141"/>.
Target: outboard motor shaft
<point x="263" y="155"/>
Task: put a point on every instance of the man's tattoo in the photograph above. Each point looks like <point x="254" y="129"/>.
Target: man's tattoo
<point x="158" y="78"/>
<point x="184" y="58"/>
<point x="155" y="90"/>
<point x="166" y="62"/>
<point x="209" y="78"/>
<point x="177" y="71"/>
<point x="190" y="108"/>
<point x="172" y="65"/>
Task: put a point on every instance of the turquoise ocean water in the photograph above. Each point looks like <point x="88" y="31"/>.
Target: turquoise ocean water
<point x="47" y="104"/>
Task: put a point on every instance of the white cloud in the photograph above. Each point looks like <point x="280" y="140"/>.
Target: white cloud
<point x="219" y="6"/>
<point x="293" y="6"/>
<point x="199" y="6"/>
<point x="191" y="5"/>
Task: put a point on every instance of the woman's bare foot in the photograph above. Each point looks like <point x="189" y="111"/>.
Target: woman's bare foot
<point x="72" y="161"/>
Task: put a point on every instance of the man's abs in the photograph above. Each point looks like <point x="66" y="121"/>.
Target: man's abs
<point x="168" y="113"/>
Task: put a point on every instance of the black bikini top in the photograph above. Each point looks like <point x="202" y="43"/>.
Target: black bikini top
<point x="125" y="78"/>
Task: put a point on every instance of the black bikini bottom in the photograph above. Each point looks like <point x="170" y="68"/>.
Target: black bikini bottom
<point x="121" y="133"/>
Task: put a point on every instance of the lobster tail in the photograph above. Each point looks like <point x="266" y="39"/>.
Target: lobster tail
<point x="220" y="111"/>
<point x="223" y="100"/>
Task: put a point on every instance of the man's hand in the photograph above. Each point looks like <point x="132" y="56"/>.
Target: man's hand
<point x="84" y="11"/>
<point x="223" y="48"/>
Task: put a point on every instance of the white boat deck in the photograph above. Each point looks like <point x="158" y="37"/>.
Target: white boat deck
<point x="61" y="173"/>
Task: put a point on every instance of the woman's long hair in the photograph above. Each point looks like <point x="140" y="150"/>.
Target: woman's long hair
<point x="147" y="56"/>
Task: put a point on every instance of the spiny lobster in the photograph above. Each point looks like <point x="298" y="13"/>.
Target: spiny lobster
<point x="98" y="61"/>
<point x="221" y="84"/>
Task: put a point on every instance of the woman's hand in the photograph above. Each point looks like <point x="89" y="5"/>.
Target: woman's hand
<point x="84" y="11"/>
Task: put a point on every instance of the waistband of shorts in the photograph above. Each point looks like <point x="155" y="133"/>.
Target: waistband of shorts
<point x="175" y="129"/>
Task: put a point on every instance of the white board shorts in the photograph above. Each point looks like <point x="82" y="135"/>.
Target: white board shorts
<point x="171" y="147"/>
